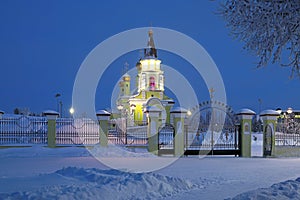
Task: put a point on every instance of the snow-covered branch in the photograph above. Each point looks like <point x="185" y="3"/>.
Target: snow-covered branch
<point x="269" y="29"/>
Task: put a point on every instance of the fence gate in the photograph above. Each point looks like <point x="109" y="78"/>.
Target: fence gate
<point x="166" y="135"/>
<point x="257" y="136"/>
<point x="212" y="129"/>
<point x="120" y="133"/>
<point x="117" y="131"/>
<point x="268" y="141"/>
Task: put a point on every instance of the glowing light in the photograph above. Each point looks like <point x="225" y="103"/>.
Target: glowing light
<point x="120" y="107"/>
<point x="72" y="110"/>
<point x="278" y="110"/>
<point x="289" y="110"/>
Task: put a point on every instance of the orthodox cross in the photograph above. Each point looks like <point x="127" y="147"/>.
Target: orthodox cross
<point x="211" y="93"/>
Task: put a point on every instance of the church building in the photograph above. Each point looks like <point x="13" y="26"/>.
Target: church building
<point x="149" y="89"/>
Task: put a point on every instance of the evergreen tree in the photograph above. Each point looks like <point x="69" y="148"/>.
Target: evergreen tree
<point x="16" y="111"/>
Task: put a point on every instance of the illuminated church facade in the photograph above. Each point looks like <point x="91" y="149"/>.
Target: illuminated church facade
<point x="149" y="88"/>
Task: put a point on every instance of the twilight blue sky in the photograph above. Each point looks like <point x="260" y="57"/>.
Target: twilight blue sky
<point x="43" y="43"/>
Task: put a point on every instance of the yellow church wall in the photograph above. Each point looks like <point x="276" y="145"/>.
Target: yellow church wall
<point x="150" y="94"/>
<point x="138" y="113"/>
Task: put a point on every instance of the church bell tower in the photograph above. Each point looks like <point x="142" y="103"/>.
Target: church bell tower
<point x="149" y="86"/>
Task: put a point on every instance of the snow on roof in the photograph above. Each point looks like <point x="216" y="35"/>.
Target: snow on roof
<point x="2" y="112"/>
<point x="170" y="101"/>
<point x="179" y="110"/>
<point x="50" y="112"/>
<point x="152" y="109"/>
<point x="126" y="75"/>
<point x="102" y="112"/>
<point x="245" y="111"/>
<point x="269" y="112"/>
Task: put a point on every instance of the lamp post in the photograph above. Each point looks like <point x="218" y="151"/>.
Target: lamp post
<point x="58" y="104"/>
<point x="123" y="117"/>
<point x="290" y="120"/>
<point x="60" y="108"/>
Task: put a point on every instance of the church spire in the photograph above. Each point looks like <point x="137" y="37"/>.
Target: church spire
<point x="151" y="41"/>
<point x="150" y="51"/>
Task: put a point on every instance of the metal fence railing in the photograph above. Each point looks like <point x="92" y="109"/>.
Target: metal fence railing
<point x="71" y="131"/>
<point x="131" y="135"/>
<point x="287" y="134"/>
<point x="166" y="136"/>
<point x="18" y="130"/>
<point x="284" y="139"/>
<point x="137" y="135"/>
<point x="206" y="139"/>
<point x="23" y="130"/>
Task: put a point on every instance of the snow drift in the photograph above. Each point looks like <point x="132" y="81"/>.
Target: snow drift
<point x="105" y="184"/>
<point x="285" y="190"/>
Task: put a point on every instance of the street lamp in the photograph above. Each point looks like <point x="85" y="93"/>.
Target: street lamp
<point x="120" y="107"/>
<point x="189" y="113"/>
<point x="57" y="95"/>
<point x="72" y="111"/>
<point x="290" y="126"/>
<point x="132" y="107"/>
<point x="59" y="104"/>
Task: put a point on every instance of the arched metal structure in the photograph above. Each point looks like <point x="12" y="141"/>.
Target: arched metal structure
<point x="166" y="136"/>
<point x="212" y="129"/>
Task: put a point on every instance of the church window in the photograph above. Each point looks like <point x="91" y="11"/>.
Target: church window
<point x="143" y="81"/>
<point x="152" y="83"/>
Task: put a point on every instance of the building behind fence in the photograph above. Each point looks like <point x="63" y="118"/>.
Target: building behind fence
<point x="20" y="130"/>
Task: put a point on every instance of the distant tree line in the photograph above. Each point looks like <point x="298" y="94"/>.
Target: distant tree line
<point x="24" y="111"/>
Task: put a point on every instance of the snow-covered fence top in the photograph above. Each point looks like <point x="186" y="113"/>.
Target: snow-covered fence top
<point x="20" y="129"/>
<point x="28" y="130"/>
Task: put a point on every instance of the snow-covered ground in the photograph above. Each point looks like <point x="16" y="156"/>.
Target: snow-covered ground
<point x="72" y="173"/>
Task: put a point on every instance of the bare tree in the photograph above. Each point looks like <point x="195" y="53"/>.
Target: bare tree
<point x="269" y="29"/>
